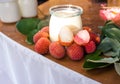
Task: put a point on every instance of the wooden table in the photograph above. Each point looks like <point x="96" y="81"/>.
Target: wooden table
<point x="90" y="18"/>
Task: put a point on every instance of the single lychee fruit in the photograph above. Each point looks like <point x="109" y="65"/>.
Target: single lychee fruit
<point x="38" y="35"/>
<point x="42" y="45"/>
<point x="94" y="37"/>
<point x="90" y="47"/>
<point x="57" y="50"/>
<point x="75" y="52"/>
<point x="65" y="36"/>
<point x="44" y="32"/>
<point x="82" y="37"/>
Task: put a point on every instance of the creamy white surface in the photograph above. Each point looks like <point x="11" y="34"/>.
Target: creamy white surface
<point x="28" y="8"/>
<point x="60" y="19"/>
<point x="9" y="11"/>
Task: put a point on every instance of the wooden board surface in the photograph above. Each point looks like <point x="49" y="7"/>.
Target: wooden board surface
<point x="90" y="18"/>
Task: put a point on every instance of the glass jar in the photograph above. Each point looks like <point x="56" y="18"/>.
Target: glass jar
<point x="64" y="15"/>
<point x="28" y="8"/>
<point x="9" y="11"/>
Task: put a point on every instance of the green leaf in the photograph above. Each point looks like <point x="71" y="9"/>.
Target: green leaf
<point x="111" y="53"/>
<point x="115" y="44"/>
<point x="91" y="65"/>
<point x="94" y="55"/>
<point x="108" y="25"/>
<point x="29" y="38"/>
<point x="113" y="33"/>
<point x="26" y="25"/>
<point x="104" y="46"/>
<point x="109" y="60"/>
<point x="109" y="45"/>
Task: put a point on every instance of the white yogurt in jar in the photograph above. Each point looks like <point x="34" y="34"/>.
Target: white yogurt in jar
<point x="64" y="15"/>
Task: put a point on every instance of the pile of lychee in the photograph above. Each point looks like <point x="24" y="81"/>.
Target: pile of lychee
<point x="73" y="44"/>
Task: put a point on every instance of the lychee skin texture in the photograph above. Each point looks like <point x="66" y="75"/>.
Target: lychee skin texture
<point x="94" y="37"/>
<point x="57" y="50"/>
<point x="75" y="52"/>
<point x="44" y="32"/>
<point x="90" y="47"/>
<point x="38" y="35"/>
<point x="45" y="29"/>
<point x="42" y="45"/>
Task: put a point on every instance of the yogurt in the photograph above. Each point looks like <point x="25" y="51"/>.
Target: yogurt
<point x="64" y="15"/>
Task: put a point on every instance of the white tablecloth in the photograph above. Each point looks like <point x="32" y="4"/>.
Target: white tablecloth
<point x="20" y="65"/>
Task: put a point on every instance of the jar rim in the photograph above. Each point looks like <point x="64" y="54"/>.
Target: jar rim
<point x="78" y="10"/>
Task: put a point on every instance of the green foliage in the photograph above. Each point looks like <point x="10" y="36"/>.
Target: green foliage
<point x="30" y="26"/>
<point x="90" y="58"/>
<point x="26" y="25"/>
<point x="29" y="38"/>
<point x="108" y="51"/>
